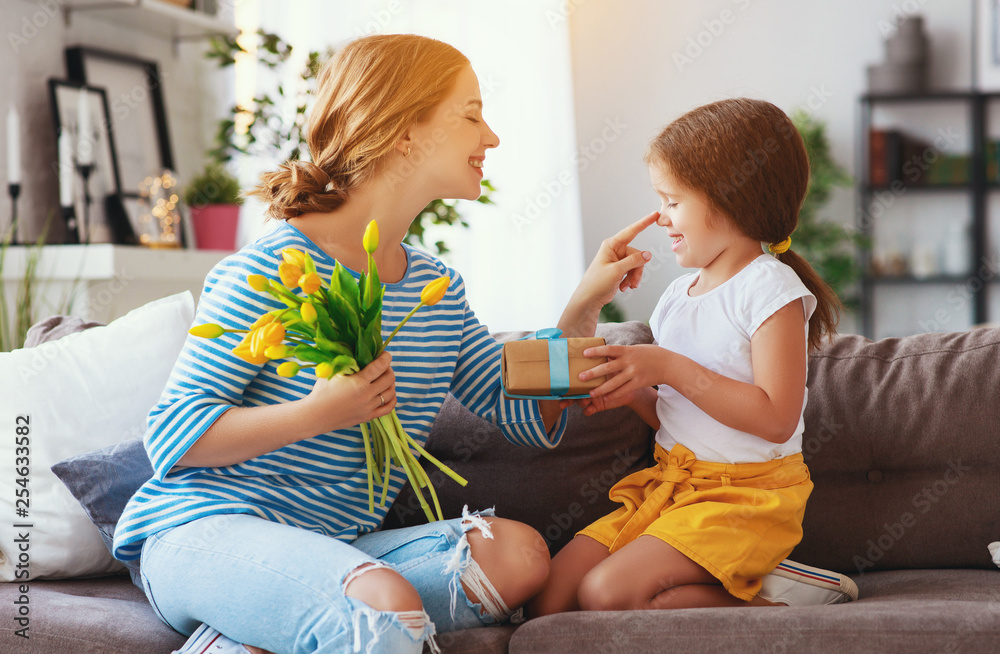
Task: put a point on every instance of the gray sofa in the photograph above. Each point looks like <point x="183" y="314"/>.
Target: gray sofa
<point x="903" y="441"/>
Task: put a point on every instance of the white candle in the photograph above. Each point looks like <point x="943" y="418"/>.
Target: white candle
<point x="66" y="170"/>
<point x="13" y="146"/>
<point x="84" y="144"/>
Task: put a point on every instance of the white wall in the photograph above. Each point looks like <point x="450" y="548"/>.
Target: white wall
<point x="793" y="53"/>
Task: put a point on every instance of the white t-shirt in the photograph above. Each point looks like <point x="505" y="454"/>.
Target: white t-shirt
<point x="714" y="329"/>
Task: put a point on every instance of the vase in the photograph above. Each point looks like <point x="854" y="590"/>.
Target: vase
<point x="215" y="226"/>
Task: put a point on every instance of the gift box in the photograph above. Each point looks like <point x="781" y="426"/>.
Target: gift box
<point x="548" y="367"/>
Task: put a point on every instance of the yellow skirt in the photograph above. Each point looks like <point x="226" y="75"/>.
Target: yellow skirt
<point x="738" y="521"/>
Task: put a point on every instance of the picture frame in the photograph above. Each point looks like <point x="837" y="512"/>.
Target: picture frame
<point x="138" y="115"/>
<point x="986" y="45"/>
<point x="97" y="224"/>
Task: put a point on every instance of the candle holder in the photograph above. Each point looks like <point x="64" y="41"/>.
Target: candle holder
<point x="13" y="190"/>
<point x="72" y="231"/>
<point x="84" y="227"/>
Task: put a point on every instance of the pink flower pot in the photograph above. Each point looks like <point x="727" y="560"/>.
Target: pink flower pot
<point x="215" y="226"/>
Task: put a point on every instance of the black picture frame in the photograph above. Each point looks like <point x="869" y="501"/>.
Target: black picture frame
<point x="100" y="221"/>
<point x="138" y="113"/>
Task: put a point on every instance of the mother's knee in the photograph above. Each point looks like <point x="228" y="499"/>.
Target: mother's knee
<point x="383" y="589"/>
<point x="515" y="559"/>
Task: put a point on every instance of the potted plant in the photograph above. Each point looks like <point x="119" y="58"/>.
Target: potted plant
<point x="214" y="199"/>
<point x="831" y="248"/>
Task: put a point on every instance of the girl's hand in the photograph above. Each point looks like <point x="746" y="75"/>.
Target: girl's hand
<point x="345" y="401"/>
<point x="629" y="368"/>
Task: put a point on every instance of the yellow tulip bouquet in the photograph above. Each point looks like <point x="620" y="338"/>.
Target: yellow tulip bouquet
<point x="336" y="329"/>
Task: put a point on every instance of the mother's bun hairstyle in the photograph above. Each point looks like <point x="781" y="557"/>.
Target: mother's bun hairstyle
<point x="367" y="95"/>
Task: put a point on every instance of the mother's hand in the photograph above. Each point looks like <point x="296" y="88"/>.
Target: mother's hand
<point x="616" y="267"/>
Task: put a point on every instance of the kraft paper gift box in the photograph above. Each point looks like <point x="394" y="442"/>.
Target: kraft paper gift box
<point x="526" y="371"/>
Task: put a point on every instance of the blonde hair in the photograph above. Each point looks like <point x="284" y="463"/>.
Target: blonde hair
<point x="749" y="160"/>
<point x="367" y="95"/>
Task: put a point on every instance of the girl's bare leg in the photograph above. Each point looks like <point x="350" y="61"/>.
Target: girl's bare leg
<point x="567" y="570"/>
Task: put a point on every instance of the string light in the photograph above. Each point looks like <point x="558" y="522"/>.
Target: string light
<point x="159" y="214"/>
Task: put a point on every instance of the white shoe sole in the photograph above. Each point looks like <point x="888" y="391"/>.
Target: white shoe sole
<point x="796" y="584"/>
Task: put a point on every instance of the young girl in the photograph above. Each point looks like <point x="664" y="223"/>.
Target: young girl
<point x="724" y="384"/>
<point x="255" y="525"/>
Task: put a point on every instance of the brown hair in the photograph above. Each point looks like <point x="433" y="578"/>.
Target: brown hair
<point x="367" y="95"/>
<point x="748" y="159"/>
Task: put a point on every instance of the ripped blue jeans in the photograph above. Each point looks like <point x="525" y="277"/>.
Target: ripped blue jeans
<point x="282" y="588"/>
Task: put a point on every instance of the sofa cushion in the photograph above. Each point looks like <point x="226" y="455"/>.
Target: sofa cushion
<point x="84" y="391"/>
<point x="902" y="612"/>
<point x="103" y="481"/>
<point x="85" y="616"/>
<point x="559" y="491"/>
<point x="903" y="442"/>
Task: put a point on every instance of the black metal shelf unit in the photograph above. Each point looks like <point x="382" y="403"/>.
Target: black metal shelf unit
<point x="977" y="188"/>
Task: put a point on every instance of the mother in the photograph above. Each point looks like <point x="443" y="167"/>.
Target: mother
<point x="255" y="524"/>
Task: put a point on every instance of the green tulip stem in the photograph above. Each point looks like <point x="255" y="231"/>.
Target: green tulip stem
<point x="369" y="462"/>
<point x="401" y="323"/>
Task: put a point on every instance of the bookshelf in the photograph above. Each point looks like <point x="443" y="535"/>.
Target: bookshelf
<point x="897" y="167"/>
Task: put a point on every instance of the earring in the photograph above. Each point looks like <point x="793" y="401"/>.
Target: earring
<point x="407" y="152"/>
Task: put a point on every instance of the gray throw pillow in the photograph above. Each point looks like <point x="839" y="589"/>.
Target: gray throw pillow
<point x="103" y="481"/>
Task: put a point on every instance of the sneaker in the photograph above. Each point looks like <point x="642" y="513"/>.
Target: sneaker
<point x="796" y="584"/>
<point x="206" y="640"/>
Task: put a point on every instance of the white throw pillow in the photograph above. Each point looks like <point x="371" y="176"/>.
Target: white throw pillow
<point x="82" y="392"/>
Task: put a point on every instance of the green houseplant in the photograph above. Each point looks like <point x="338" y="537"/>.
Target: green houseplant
<point x="264" y="129"/>
<point x="214" y="198"/>
<point x="831" y="248"/>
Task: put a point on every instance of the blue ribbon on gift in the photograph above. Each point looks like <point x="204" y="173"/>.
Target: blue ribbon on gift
<point x="558" y="367"/>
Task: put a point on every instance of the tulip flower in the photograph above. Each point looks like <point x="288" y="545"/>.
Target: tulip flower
<point x="277" y="351"/>
<point x="370" y="240"/>
<point x="259" y="283"/>
<point x="308" y="312"/>
<point x="207" y="330"/>
<point x="324" y="370"/>
<point x="310" y="283"/>
<point x="289" y="274"/>
<point x="288" y="369"/>
<point x="294" y="257"/>
<point x="434" y="291"/>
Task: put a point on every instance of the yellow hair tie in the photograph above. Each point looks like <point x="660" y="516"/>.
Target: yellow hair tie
<point x="780" y="248"/>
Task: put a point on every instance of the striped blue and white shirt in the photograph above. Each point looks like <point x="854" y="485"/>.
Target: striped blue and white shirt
<point x="319" y="483"/>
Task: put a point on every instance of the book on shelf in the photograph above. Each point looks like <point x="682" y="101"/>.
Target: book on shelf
<point x="898" y="157"/>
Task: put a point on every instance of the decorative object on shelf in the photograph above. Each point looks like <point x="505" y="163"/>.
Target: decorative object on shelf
<point x="159" y="215"/>
<point x="830" y="248"/>
<point x="67" y="172"/>
<point x="213" y="199"/>
<point x="986" y="45"/>
<point x="263" y="129"/>
<point x="82" y="112"/>
<point x="138" y="122"/>
<point x="13" y="167"/>
<point x="907" y="55"/>
<point x="956" y="251"/>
